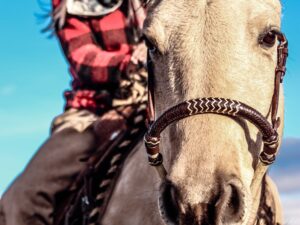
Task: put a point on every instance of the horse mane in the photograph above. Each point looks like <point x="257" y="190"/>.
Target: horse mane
<point x="54" y="19"/>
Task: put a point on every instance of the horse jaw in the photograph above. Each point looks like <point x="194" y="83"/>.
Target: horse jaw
<point x="210" y="49"/>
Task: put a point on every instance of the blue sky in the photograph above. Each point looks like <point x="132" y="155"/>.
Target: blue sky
<point x="34" y="74"/>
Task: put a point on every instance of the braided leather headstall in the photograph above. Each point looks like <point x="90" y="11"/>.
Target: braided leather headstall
<point x="222" y="106"/>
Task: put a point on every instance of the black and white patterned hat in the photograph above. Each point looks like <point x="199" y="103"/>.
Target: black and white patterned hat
<point x="92" y="7"/>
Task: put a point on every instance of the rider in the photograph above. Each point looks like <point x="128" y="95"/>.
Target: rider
<point x="100" y="39"/>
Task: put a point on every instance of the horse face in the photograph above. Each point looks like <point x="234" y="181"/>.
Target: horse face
<point x="211" y="48"/>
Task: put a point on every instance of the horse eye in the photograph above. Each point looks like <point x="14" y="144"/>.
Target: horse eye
<point x="151" y="47"/>
<point x="268" y="40"/>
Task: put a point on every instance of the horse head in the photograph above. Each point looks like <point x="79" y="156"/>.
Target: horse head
<point x="217" y="49"/>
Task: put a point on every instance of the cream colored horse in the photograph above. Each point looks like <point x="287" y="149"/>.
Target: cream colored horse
<point x="205" y="48"/>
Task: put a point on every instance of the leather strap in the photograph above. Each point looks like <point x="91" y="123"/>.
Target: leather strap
<point x="282" y="54"/>
<point x="151" y="102"/>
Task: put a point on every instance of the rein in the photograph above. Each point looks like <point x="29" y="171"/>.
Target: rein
<point x="222" y="106"/>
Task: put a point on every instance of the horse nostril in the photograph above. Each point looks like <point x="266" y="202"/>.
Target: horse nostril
<point x="235" y="202"/>
<point x="230" y="207"/>
<point x="169" y="202"/>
